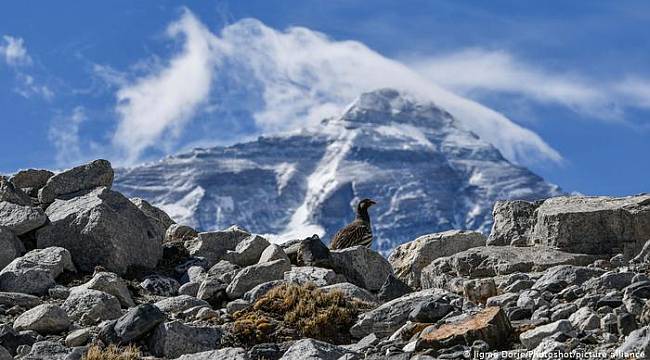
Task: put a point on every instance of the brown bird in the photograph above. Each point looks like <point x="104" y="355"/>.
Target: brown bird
<point x="357" y="232"/>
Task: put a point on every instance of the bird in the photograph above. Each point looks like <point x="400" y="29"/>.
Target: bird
<point x="357" y="232"/>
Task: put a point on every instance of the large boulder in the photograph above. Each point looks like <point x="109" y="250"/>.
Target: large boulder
<point x="310" y="349"/>
<point x="410" y="258"/>
<point x="636" y="343"/>
<point x="10" y="193"/>
<point x="214" y="245"/>
<point x="104" y="228"/>
<point x="531" y="338"/>
<point x="361" y="266"/>
<point x="173" y="339"/>
<point x="560" y="277"/>
<point x="248" y="251"/>
<point x="253" y="275"/>
<point x="44" y="319"/>
<point x="98" y="173"/>
<point x="180" y="303"/>
<point x="139" y="321"/>
<point x="488" y="261"/>
<point x="156" y="216"/>
<point x="109" y="283"/>
<point x="580" y="224"/>
<point x="31" y="180"/>
<point x="89" y="307"/>
<point x="21" y="219"/>
<point x="36" y="271"/>
<point x="387" y="318"/>
<point x="10" y="246"/>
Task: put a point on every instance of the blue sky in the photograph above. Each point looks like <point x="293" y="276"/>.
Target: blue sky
<point x="134" y="81"/>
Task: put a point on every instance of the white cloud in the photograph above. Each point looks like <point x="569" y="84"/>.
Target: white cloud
<point x="64" y="133"/>
<point x="13" y="50"/>
<point x="303" y="76"/>
<point x="162" y="102"/>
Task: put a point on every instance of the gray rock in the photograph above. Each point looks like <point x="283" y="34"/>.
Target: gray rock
<point x="253" y="275"/>
<point x="10" y="247"/>
<point x="21" y="219"/>
<point x="559" y="277"/>
<point x="312" y="252"/>
<point x="31" y="180"/>
<point x="103" y="228"/>
<point x="173" y="339"/>
<point x="179" y="304"/>
<point x="25" y="301"/>
<point x="513" y="221"/>
<point x="581" y="224"/>
<point x="88" y="307"/>
<point x="237" y="305"/>
<point x="213" y="246"/>
<point x="548" y="349"/>
<point x="190" y="288"/>
<point x="4" y="354"/>
<point x="50" y="350"/>
<point x="584" y="319"/>
<point x="638" y="342"/>
<point x="563" y="311"/>
<point x="78" y="337"/>
<point x="213" y="291"/>
<point x="352" y="291"/>
<point x="160" y="285"/>
<point x="531" y="338"/>
<point x="177" y="232"/>
<point x="98" y="173"/>
<point x="410" y="258"/>
<point x="109" y="283"/>
<point x="361" y="266"/>
<point x="642" y="256"/>
<point x="248" y="251"/>
<point x="309" y="274"/>
<point x="310" y="349"/>
<point x="503" y="300"/>
<point x="221" y="354"/>
<point x="260" y="290"/>
<point x="491" y="261"/>
<point x="479" y="290"/>
<point x="44" y="319"/>
<point x="137" y="322"/>
<point x="387" y="318"/>
<point x="610" y="280"/>
<point x="36" y="271"/>
<point x="430" y="311"/>
<point x="157" y="217"/>
<point x="12" y="194"/>
<point x="392" y="288"/>
<point x="273" y="252"/>
<point x="223" y="270"/>
<point x="519" y="285"/>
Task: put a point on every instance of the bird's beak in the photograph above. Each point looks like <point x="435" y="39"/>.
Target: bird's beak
<point x="372" y="202"/>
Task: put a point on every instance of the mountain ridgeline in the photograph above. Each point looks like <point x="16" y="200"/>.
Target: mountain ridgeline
<point x="426" y="172"/>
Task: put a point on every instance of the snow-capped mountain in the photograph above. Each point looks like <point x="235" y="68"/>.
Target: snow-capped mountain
<point x="425" y="171"/>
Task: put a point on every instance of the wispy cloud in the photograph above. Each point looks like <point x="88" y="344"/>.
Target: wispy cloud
<point x="65" y="136"/>
<point x="301" y="77"/>
<point x="13" y="51"/>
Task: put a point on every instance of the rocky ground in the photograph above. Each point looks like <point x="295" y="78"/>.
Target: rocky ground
<point x="88" y="273"/>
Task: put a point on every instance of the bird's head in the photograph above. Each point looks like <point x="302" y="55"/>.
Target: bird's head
<point x="365" y="204"/>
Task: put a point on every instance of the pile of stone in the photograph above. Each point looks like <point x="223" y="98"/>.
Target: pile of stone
<point x="81" y="265"/>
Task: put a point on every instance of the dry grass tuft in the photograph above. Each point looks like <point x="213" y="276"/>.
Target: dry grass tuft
<point x="112" y="352"/>
<point x="291" y="311"/>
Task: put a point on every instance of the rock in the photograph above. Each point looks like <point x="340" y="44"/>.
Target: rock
<point x="513" y="221"/>
<point x="160" y="285"/>
<point x="103" y="228"/>
<point x="248" y="251"/>
<point x="213" y="246"/>
<point x="4" y="354"/>
<point x="310" y="349"/>
<point x="584" y="319"/>
<point x="479" y="290"/>
<point x="213" y="291"/>
<point x="137" y="322"/>
<point x="190" y="288"/>
<point x="173" y="339"/>
<point x="36" y="271"/>
<point x="98" y="173"/>
<point x="237" y="305"/>
<point x="21" y="219"/>
<point x="221" y="354"/>
<point x="179" y="304"/>
<point x="519" y="285"/>
<point x="430" y="311"/>
<point x="10" y="247"/>
<point x="503" y="300"/>
<point x="549" y="349"/>
<point x="44" y="319"/>
<point x="10" y="339"/>
<point x="392" y="288"/>
<point x="581" y="224"/>
<point x="31" y="180"/>
<point x="531" y="338"/>
<point x="559" y="277"/>
<point x="410" y="258"/>
<point x="88" y="307"/>
<point x="387" y="318"/>
<point x="610" y="280"/>
<point x="492" y="261"/>
<point x="50" y="350"/>
<point x="361" y="266"/>
<point x="312" y="252"/>
<point x="10" y="193"/>
<point x="260" y="290"/>
<point x="309" y="274"/>
<point x="109" y="283"/>
<point x="642" y="256"/>
<point x="25" y="301"/>
<point x="490" y="325"/>
<point x="156" y="216"/>
<point x="273" y="252"/>
<point x="253" y="275"/>
<point x="177" y="232"/>
<point x="562" y="311"/>
<point x="618" y="260"/>
<point x="626" y="323"/>
<point x="638" y="342"/>
<point x="224" y="271"/>
<point x="78" y="337"/>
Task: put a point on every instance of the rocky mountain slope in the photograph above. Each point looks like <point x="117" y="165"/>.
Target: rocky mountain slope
<point x="85" y="271"/>
<point x="426" y="172"/>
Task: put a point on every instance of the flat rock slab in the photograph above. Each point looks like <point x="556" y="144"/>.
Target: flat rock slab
<point x="361" y="266"/>
<point x="98" y="173"/>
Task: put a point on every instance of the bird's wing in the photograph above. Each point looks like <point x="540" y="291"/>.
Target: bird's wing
<point x="356" y="233"/>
